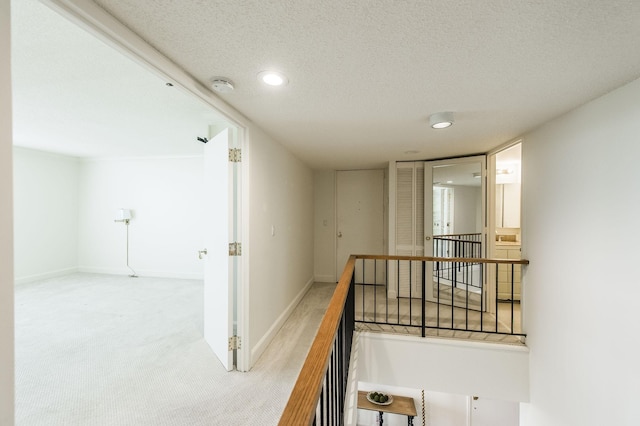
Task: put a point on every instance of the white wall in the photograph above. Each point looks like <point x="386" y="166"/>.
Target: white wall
<point x="467" y="209"/>
<point x="581" y="203"/>
<point x="442" y="409"/>
<point x="6" y="224"/>
<point x="281" y="265"/>
<point x="456" y="367"/>
<point x="324" y="249"/>
<point x="45" y="214"/>
<point x="164" y="195"/>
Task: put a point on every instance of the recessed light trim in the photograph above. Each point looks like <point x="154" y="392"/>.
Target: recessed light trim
<point x="441" y="120"/>
<point x="273" y="78"/>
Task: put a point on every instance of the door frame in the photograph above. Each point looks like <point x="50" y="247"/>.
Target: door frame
<point x="99" y="23"/>
<point x="491" y="216"/>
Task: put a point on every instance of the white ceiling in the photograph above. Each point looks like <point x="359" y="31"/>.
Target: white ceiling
<point x="77" y="96"/>
<point x="364" y="75"/>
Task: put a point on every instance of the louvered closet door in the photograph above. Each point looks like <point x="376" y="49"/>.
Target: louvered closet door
<point x="409" y="225"/>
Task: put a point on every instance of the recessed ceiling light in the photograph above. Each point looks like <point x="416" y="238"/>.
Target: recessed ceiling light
<point x="273" y="78"/>
<point x="441" y="120"/>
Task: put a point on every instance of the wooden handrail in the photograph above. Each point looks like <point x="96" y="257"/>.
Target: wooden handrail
<point x="444" y="259"/>
<point x="456" y="235"/>
<point x="301" y="408"/>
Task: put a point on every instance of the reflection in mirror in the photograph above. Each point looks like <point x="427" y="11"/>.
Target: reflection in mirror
<point x="457" y="199"/>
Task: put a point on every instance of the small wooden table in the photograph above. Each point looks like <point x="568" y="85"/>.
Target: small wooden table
<point x="402" y="405"/>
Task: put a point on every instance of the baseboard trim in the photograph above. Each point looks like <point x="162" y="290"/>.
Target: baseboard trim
<point x="325" y="279"/>
<point x="141" y="273"/>
<point x="262" y="344"/>
<point x="45" y="275"/>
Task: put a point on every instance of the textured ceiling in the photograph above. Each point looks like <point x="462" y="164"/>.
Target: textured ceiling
<point x="365" y="75"/>
<point x="75" y="95"/>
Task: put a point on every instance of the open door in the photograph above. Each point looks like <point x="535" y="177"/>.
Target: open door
<point x="455" y="226"/>
<point x="218" y="230"/>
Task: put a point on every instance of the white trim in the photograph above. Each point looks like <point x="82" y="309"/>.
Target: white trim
<point x="505" y="146"/>
<point x="262" y="344"/>
<point x="140" y="273"/>
<point x="243" y="360"/>
<point x="45" y="275"/>
<point x="493" y="346"/>
<point x="150" y="157"/>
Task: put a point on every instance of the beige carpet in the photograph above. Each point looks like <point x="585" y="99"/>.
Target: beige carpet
<point x="108" y="350"/>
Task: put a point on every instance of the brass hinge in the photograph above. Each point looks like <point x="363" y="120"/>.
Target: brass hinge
<point x="235" y="343"/>
<point x="235" y="155"/>
<point x="235" y="249"/>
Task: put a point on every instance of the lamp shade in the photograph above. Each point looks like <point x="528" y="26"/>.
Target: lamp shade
<point x="123" y="214"/>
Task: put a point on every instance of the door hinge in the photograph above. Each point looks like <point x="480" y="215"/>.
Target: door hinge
<point x="235" y="343"/>
<point x="235" y="155"/>
<point x="235" y="249"/>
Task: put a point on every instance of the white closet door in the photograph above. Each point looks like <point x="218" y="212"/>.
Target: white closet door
<point x="409" y="225"/>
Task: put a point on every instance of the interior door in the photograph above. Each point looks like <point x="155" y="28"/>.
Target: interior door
<point x="360" y="221"/>
<point x="218" y="229"/>
<point x="455" y="226"/>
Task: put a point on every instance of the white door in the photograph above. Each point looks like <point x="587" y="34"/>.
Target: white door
<point x="455" y="226"/>
<point x="218" y="228"/>
<point x="360" y="221"/>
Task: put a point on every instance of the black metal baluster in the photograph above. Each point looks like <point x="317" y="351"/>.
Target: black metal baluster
<point x="386" y="291"/>
<point x="454" y="279"/>
<point x="363" y="294"/>
<point x="438" y="294"/>
<point x="513" y="283"/>
<point x="482" y="304"/>
<point x="398" y="293"/>
<point x="466" y="310"/>
<point x="423" y="299"/>
<point x="410" y="286"/>
<point x="497" y="307"/>
<point x="375" y="291"/>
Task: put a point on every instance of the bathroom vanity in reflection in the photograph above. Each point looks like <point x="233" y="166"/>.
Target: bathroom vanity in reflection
<point x="508" y="250"/>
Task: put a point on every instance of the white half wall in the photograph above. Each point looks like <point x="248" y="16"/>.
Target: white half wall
<point x="581" y="198"/>
<point x="6" y="224"/>
<point x="164" y="195"/>
<point x="281" y="238"/>
<point x="45" y="214"/>
<point x="486" y="370"/>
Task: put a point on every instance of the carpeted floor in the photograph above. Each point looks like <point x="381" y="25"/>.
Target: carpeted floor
<point x="108" y="350"/>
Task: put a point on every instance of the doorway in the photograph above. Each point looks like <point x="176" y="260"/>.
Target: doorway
<point x="505" y="224"/>
<point x="178" y="215"/>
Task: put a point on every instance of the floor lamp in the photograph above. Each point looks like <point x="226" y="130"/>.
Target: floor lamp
<point x="124" y="215"/>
